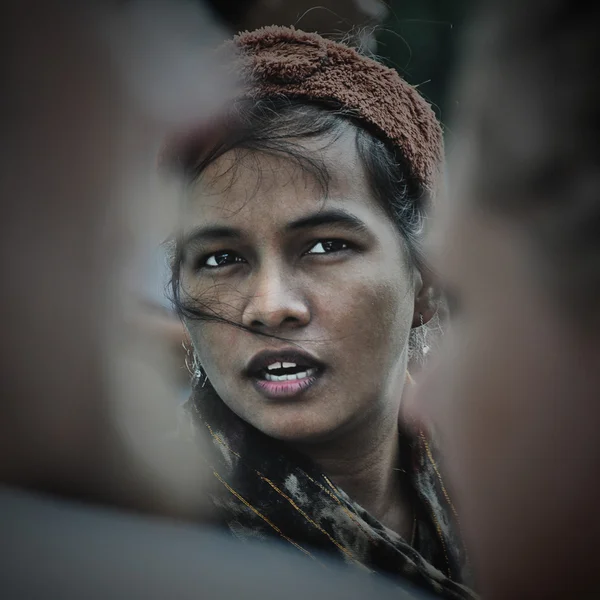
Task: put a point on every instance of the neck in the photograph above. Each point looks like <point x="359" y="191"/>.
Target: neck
<point x="364" y="463"/>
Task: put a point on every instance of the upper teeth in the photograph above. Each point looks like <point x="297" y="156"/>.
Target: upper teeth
<point x="295" y="376"/>
<point x="278" y="365"/>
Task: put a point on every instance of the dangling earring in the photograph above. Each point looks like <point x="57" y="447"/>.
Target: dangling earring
<point x="193" y="365"/>
<point x="424" y="346"/>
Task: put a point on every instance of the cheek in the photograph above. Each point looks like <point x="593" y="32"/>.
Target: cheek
<point x="214" y="343"/>
<point x="371" y="310"/>
<point x="211" y="296"/>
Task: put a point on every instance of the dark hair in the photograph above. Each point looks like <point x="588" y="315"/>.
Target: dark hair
<point x="280" y="127"/>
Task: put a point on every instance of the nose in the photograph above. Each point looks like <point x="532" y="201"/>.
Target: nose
<point x="275" y="303"/>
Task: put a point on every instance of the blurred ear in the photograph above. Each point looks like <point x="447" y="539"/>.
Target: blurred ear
<point x="426" y="297"/>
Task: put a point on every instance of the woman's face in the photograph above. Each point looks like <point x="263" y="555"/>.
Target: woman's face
<point x="513" y="399"/>
<point x="329" y="276"/>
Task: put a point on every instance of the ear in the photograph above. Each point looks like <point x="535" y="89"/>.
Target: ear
<point x="426" y="296"/>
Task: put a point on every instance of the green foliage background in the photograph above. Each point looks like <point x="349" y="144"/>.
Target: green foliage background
<point x="420" y="38"/>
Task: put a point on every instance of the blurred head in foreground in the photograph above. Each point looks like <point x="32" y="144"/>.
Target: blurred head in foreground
<point x="89" y="92"/>
<point x="515" y="395"/>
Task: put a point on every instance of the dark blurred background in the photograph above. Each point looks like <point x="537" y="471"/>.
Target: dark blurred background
<point x="420" y="39"/>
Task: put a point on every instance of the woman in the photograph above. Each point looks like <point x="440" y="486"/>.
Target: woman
<point x="518" y="247"/>
<point x="299" y="276"/>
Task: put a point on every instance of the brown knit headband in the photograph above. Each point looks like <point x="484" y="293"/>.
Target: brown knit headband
<point x="282" y="61"/>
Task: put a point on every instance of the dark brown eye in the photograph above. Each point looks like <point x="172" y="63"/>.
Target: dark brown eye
<point x="221" y="259"/>
<point x="327" y="246"/>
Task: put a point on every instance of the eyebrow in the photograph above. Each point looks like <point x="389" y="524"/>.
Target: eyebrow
<point x="329" y="217"/>
<point x="213" y="233"/>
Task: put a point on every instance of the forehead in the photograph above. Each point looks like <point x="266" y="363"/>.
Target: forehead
<point x="244" y="185"/>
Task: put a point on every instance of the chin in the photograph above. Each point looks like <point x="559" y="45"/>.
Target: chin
<point x="299" y="429"/>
